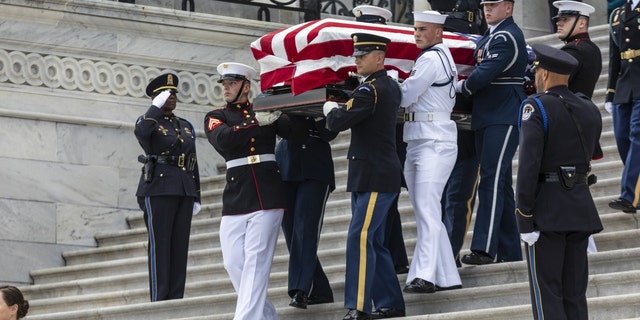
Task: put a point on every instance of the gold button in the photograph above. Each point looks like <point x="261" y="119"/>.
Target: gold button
<point x="253" y="121"/>
<point x="232" y="179"/>
<point x="630" y="60"/>
<point x="253" y="139"/>
<point x="627" y="40"/>
<point x="626" y="28"/>
<point x="162" y="174"/>
<point x="244" y="123"/>
<point x="253" y="149"/>
<point x="245" y="111"/>
<point x="247" y="116"/>
<point x="184" y="169"/>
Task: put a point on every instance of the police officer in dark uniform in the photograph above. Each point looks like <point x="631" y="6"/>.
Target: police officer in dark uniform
<point x="373" y="180"/>
<point x="169" y="187"/>
<point x="623" y="99"/>
<point x="573" y="24"/>
<point x="307" y="171"/>
<point x="254" y="197"/>
<point x="559" y="133"/>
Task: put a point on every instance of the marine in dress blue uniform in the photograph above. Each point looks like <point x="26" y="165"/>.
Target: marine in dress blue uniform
<point x="496" y="86"/>
<point x="169" y="188"/>
<point x="573" y="24"/>
<point x="559" y="133"/>
<point x="307" y="170"/>
<point x="623" y="97"/>
<point x="254" y="197"/>
<point x="373" y="179"/>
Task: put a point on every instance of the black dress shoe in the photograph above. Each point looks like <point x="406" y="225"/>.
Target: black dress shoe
<point x="383" y="313"/>
<point x="355" y="314"/>
<point x="477" y="258"/>
<point x="299" y="300"/>
<point x="402" y="269"/>
<point x="622" y="204"/>
<point x="318" y="300"/>
<point x="439" y="288"/>
<point x="418" y="285"/>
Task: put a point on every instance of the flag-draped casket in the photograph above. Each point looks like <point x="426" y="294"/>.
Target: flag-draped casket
<point x="317" y="53"/>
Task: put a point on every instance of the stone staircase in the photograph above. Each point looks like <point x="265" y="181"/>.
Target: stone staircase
<point x="110" y="281"/>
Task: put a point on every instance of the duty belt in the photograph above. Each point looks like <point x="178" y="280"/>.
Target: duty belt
<point x="580" y="178"/>
<point x="427" y="116"/>
<point x="630" y="54"/>
<point x="462" y="15"/>
<point x="177" y="161"/>
<point x="253" y="159"/>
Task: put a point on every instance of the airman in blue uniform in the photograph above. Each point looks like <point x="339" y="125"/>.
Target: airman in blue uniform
<point x="496" y="87"/>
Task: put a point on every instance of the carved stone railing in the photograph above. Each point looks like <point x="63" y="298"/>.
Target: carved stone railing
<point x="80" y="74"/>
<point x="313" y="9"/>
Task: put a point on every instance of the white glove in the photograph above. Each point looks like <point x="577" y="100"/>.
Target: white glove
<point x="161" y="98"/>
<point x="266" y="118"/>
<point x="393" y="73"/>
<point x="328" y="106"/>
<point x="196" y="208"/>
<point x="608" y="106"/>
<point x="530" y="237"/>
<point x="459" y="85"/>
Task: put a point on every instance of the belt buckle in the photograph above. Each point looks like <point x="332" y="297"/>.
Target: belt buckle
<point x="181" y="161"/>
<point x="430" y="116"/>
<point x="407" y="117"/>
<point x="469" y="16"/>
<point x="253" y="159"/>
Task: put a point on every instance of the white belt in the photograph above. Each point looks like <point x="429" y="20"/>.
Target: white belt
<point x="427" y="116"/>
<point x="256" y="158"/>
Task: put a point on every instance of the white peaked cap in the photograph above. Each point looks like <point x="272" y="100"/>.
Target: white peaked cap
<point x="366" y="9"/>
<point x="236" y="71"/>
<point x="429" y="16"/>
<point x="566" y="6"/>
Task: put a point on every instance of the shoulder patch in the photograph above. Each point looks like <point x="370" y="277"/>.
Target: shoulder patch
<point x="527" y="111"/>
<point x="366" y="88"/>
<point x="348" y="104"/>
<point x="213" y="123"/>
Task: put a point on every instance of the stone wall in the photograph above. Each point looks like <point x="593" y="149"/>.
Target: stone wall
<point x="72" y="79"/>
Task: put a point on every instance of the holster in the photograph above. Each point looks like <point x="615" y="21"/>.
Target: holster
<point x="567" y="175"/>
<point x="148" y="167"/>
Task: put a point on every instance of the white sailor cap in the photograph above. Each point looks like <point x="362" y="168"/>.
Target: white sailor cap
<point x="429" y="16"/>
<point x="236" y="71"/>
<point x="567" y="8"/>
<point x="371" y="14"/>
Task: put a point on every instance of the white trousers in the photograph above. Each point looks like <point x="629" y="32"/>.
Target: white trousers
<point x="427" y="168"/>
<point x="248" y="243"/>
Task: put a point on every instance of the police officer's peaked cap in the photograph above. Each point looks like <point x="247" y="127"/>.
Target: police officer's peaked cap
<point x="236" y="71"/>
<point x="162" y="82"/>
<point x="552" y="59"/>
<point x="429" y="16"/>
<point x="364" y="43"/>
<point x="493" y="1"/>
<point x="371" y="14"/>
<point x="572" y="8"/>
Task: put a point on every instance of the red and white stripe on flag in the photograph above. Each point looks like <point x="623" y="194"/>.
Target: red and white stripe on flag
<point x="317" y="53"/>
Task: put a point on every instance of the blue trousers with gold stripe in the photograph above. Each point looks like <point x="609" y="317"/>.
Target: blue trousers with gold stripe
<point x="626" y="128"/>
<point x="558" y="275"/>
<point x="369" y="263"/>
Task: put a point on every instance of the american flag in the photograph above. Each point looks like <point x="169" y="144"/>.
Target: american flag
<point x="316" y="53"/>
